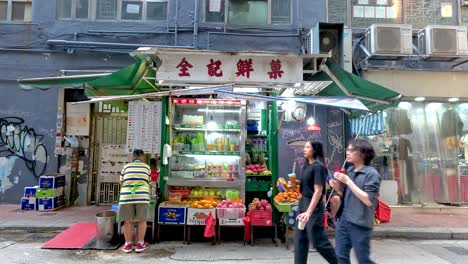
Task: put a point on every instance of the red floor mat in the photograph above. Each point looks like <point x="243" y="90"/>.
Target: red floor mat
<point x="74" y="237"/>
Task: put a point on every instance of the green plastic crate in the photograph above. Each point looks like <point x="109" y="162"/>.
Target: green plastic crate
<point x="283" y="207"/>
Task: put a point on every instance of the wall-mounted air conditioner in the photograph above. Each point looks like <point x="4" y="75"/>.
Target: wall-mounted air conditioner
<point x="392" y="39"/>
<point x="435" y="40"/>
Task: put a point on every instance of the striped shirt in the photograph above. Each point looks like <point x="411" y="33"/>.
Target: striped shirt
<point x="134" y="182"/>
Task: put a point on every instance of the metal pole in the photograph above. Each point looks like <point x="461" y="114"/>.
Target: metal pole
<point x="176" y="21"/>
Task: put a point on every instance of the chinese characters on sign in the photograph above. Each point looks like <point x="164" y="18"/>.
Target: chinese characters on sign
<point x="184" y="67"/>
<point x="144" y="126"/>
<point x="276" y="71"/>
<point x="244" y="68"/>
<point x="219" y="67"/>
<point x="214" y="68"/>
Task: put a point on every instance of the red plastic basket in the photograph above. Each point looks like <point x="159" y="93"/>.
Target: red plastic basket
<point x="261" y="218"/>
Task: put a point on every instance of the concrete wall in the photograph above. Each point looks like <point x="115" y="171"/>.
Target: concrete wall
<point x="28" y="150"/>
<point x="25" y="53"/>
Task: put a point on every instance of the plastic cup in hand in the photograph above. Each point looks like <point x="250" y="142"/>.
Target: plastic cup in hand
<point x="301" y="225"/>
<point x="340" y="171"/>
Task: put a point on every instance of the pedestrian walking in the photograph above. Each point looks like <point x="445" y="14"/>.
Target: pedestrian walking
<point x="360" y="189"/>
<point x="311" y="207"/>
<point x="134" y="200"/>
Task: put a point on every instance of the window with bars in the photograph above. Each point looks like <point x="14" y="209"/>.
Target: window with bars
<point x="249" y="12"/>
<point x="15" y="10"/>
<point x="113" y="10"/>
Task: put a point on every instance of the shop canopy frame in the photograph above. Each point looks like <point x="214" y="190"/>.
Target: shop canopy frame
<point x="321" y="78"/>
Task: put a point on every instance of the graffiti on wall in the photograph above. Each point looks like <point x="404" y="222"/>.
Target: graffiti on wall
<point x="20" y="142"/>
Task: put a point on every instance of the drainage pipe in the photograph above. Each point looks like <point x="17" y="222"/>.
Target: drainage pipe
<point x="176" y="22"/>
<point x="195" y="25"/>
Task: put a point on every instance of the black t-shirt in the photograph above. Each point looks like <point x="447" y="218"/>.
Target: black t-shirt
<point x="314" y="173"/>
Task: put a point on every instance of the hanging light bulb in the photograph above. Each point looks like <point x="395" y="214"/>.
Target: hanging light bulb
<point x="311" y="123"/>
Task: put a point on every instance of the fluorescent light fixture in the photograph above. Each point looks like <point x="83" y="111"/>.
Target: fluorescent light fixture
<point x="453" y="99"/>
<point x="246" y="90"/>
<point x="404" y="105"/>
<point x="217" y="110"/>
<point x="311" y="121"/>
<point x="419" y="98"/>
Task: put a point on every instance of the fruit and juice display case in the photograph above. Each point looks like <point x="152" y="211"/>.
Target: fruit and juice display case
<point x="207" y="137"/>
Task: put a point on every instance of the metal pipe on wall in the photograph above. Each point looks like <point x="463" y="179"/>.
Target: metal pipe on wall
<point x="127" y="32"/>
<point x="176" y="21"/>
<point x="58" y="42"/>
<point x="195" y="25"/>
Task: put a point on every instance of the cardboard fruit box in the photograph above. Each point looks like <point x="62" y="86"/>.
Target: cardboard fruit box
<point x="53" y="180"/>
<point x="197" y="216"/>
<point x="51" y="203"/>
<point x="30" y="191"/>
<point x="46" y="193"/>
<point x="230" y="213"/>
<point x="28" y="203"/>
<point x="172" y="213"/>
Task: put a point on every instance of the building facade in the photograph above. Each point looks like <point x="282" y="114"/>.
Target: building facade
<point x="68" y="37"/>
<point x="422" y="154"/>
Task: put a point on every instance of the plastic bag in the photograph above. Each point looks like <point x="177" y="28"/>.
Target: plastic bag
<point x="247" y="235"/>
<point x="210" y="223"/>
<point x="382" y="212"/>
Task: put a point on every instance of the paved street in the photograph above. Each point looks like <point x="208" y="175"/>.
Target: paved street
<point x="24" y="248"/>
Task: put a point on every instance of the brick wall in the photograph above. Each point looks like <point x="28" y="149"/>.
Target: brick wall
<point x="337" y="11"/>
<point x="419" y="13"/>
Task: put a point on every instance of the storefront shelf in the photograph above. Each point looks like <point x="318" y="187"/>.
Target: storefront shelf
<point x="256" y="135"/>
<point x="208" y="183"/>
<point x="210" y="153"/>
<point x="259" y="186"/>
<point x="221" y="128"/>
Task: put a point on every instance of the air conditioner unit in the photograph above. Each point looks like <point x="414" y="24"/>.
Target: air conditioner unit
<point x="438" y="40"/>
<point x="390" y="39"/>
<point x="326" y="38"/>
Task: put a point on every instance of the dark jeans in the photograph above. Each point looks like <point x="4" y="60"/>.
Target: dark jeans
<point x="349" y="236"/>
<point x="315" y="232"/>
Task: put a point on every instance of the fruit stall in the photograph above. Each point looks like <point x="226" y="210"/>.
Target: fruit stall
<point x="220" y="160"/>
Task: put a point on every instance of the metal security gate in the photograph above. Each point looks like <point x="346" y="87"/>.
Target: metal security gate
<point x="108" y="155"/>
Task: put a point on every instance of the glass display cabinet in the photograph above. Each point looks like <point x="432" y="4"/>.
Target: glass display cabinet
<point x="208" y="144"/>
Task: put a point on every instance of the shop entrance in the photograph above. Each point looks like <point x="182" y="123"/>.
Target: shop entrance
<point x="108" y="153"/>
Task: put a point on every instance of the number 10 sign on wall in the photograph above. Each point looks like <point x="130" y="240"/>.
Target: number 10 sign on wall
<point x="144" y="126"/>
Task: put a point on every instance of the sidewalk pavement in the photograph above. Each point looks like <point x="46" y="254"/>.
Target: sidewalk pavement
<point x="407" y="222"/>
